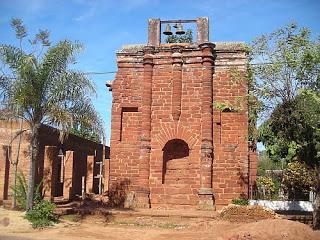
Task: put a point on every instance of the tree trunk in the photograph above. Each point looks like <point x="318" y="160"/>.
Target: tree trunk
<point x="316" y="212"/>
<point x="14" y="205"/>
<point x="34" y="141"/>
<point x="316" y="204"/>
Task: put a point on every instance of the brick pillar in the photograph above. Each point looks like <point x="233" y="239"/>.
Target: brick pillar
<point x="106" y="174"/>
<point x="68" y="175"/>
<point x="154" y="32"/>
<point x="50" y="171"/>
<point x="205" y="191"/>
<point x="145" y="147"/>
<point x="177" y="82"/>
<point x="90" y="172"/>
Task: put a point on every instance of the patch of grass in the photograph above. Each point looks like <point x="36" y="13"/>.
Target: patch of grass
<point x="72" y="217"/>
<point x="240" y="201"/>
<point x="156" y="225"/>
<point x="171" y="226"/>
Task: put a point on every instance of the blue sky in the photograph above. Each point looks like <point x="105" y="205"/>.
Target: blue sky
<point x="103" y="26"/>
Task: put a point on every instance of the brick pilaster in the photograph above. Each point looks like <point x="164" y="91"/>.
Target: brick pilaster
<point x="145" y="147"/>
<point x="205" y="191"/>
<point x="176" y="82"/>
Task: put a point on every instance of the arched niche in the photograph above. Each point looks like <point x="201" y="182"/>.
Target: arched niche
<point x="175" y="161"/>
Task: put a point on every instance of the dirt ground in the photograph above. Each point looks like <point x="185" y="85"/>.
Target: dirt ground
<point x="116" y="227"/>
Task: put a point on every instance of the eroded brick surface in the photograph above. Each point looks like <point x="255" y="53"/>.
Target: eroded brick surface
<point x="167" y="141"/>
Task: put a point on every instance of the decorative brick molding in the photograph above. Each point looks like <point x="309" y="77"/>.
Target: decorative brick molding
<point x="180" y="152"/>
<point x="170" y="131"/>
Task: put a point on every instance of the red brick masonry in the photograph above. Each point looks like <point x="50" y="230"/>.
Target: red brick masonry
<point x="169" y="144"/>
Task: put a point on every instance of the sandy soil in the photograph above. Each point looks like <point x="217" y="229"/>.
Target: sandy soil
<point x="14" y="227"/>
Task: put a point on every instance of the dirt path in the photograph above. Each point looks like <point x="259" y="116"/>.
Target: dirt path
<point x="160" y="228"/>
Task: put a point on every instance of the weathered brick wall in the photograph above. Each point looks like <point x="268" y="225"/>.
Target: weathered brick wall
<point x="48" y="137"/>
<point x="126" y="124"/>
<point x="7" y="132"/>
<point x="163" y="124"/>
<point x="162" y="107"/>
<point x="230" y="167"/>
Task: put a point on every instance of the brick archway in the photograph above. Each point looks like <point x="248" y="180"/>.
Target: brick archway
<point x="175" y="162"/>
<point x="178" y="178"/>
<point x="172" y="131"/>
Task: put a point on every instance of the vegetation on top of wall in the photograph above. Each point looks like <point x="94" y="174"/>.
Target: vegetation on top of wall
<point x="255" y="106"/>
<point x="185" y="38"/>
<point x="226" y="106"/>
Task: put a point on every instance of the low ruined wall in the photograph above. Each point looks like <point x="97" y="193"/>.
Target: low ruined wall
<point x="49" y="136"/>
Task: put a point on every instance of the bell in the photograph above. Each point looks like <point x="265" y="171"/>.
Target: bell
<point x="168" y="30"/>
<point x="176" y="25"/>
<point x="180" y="30"/>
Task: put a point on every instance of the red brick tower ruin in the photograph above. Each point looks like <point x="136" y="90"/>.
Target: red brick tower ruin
<point x="180" y="122"/>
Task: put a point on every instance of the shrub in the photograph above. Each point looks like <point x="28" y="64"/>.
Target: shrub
<point x="268" y="187"/>
<point x="240" y="201"/>
<point x="298" y="180"/>
<point x="42" y="214"/>
<point x="266" y="183"/>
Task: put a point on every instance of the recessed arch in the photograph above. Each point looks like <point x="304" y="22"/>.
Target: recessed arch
<point x="175" y="160"/>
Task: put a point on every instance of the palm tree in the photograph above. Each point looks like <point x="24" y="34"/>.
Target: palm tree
<point x="40" y="89"/>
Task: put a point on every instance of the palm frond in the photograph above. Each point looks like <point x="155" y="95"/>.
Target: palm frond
<point x="11" y="56"/>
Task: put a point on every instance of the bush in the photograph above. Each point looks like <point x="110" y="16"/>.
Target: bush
<point x="267" y="183"/>
<point x="240" y="201"/>
<point x="298" y="180"/>
<point x="42" y="214"/>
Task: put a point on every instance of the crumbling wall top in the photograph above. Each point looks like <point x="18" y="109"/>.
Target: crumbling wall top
<point x="219" y="46"/>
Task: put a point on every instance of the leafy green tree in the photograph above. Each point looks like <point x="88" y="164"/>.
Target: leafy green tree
<point x="85" y="132"/>
<point x="284" y="62"/>
<point x="298" y="180"/>
<point x="286" y="66"/>
<point x="265" y="163"/>
<point x="37" y="85"/>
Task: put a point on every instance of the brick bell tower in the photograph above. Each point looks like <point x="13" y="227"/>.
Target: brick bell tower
<point x="170" y="148"/>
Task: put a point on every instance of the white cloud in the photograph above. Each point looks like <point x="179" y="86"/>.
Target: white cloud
<point x="88" y="14"/>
